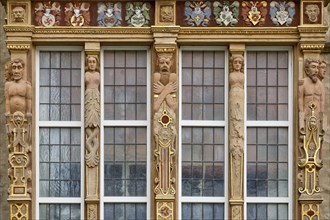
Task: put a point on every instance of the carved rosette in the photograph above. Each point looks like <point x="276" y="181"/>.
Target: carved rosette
<point x="236" y="134"/>
<point x="165" y="133"/>
<point x="311" y="132"/>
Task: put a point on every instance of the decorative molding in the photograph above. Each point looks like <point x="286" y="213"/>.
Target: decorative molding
<point x="93" y="30"/>
<point x="311" y="46"/>
<point x="165" y="29"/>
<point x="165" y="49"/>
<point x="238" y="31"/>
<point x="18" y="46"/>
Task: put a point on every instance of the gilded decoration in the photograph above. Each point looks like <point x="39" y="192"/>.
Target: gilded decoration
<point x="310" y="211"/>
<point x="226" y="13"/>
<point x="164" y="125"/>
<point x="109" y="14"/>
<point x="197" y="13"/>
<point x="137" y="14"/>
<point x="254" y="12"/>
<point x="77" y="14"/>
<point x="282" y="12"/>
<point x="47" y="14"/>
<point x="166" y="13"/>
<point x="165" y="211"/>
<point x="19" y="211"/>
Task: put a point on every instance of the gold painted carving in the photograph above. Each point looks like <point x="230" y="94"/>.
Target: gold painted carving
<point x="19" y="211"/>
<point x="18" y="46"/>
<point x="165" y="211"/>
<point x="311" y="46"/>
<point x="166" y="13"/>
<point x="164" y="121"/>
<point x="310" y="212"/>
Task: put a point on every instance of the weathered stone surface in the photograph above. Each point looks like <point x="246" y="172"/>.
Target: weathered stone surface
<point x="325" y="171"/>
<point x="4" y="181"/>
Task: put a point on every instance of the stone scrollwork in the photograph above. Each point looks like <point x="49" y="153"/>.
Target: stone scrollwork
<point x="164" y="121"/>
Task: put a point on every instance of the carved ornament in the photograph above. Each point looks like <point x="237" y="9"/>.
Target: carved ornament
<point x="18" y="14"/>
<point x="312" y="11"/>
<point x="92" y="212"/>
<point x="165" y="211"/>
<point x="19" y="211"/>
<point x="198" y="13"/>
<point x="137" y="14"/>
<point x="109" y="14"/>
<point x="311" y="46"/>
<point x="254" y="12"/>
<point x="18" y="46"/>
<point x="226" y="13"/>
<point x="166" y="13"/>
<point x="282" y="12"/>
<point x="310" y="211"/>
<point x="165" y="29"/>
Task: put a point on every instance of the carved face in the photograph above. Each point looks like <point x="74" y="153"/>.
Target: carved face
<point x="312" y="71"/>
<point x="312" y="11"/>
<point x="17" y="71"/>
<point x="165" y="64"/>
<point x="18" y="14"/>
<point x="322" y="70"/>
<point x="18" y="119"/>
<point x="237" y="64"/>
<point x="92" y="63"/>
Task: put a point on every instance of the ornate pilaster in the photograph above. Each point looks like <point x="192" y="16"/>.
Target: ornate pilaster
<point x="236" y="131"/>
<point x="311" y="108"/>
<point x="92" y="130"/>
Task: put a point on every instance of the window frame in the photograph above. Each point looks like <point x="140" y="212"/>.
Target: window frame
<point x="204" y="123"/>
<point x="272" y="124"/>
<point x="126" y="123"/>
<point x="59" y="124"/>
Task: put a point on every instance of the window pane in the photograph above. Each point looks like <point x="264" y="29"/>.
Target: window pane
<point x="59" y="211"/>
<point x="267" y="211"/>
<point x="60" y="162"/>
<point x="125" y="83"/>
<point x="57" y="101"/>
<point x="125" y="161"/>
<point x="202" y="85"/>
<point x="203" y="162"/>
<point x="207" y="211"/>
<point x="127" y="211"/>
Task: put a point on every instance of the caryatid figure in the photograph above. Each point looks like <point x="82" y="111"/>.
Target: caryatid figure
<point x="92" y="110"/>
<point x="18" y="92"/>
<point x="165" y="83"/>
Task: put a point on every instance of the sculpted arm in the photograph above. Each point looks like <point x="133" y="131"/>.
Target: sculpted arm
<point x="301" y="96"/>
<point x="7" y="98"/>
<point x="28" y="98"/>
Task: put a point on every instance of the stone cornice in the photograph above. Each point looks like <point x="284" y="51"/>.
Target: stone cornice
<point x="312" y="29"/>
<point x="165" y="29"/>
<point x="237" y="31"/>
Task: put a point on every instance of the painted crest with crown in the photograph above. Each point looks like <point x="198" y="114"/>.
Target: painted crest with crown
<point x="109" y="14"/>
<point x="137" y="14"/>
<point x="282" y="13"/>
<point x="48" y="14"/>
<point x="226" y="13"/>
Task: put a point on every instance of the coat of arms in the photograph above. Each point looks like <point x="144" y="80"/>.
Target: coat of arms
<point x="48" y="14"/>
<point x="197" y="13"/>
<point x="77" y="14"/>
<point x="109" y="14"/>
<point x="254" y="12"/>
<point x="278" y="13"/>
<point x="137" y="14"/>
<point x="226" y="13"/>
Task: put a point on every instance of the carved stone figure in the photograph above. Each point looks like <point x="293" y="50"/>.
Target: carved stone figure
<point x="165" y="83"/>
<point x="164" y="121"/>
<point x="137" y="14"/>
<point x="18" y="14"/>
<point x="322" y="69"/>
<point x="109" y="14"/>
<point x="48" y="14"/>
<point x="197" y="13"/>
<point x="312" y="11"/>
<point x="254" y="12"/>
<point x="311" y="89"/>
<point x="77" y="14"/>
<point x="226" y="13"/>
<point x="166" y="13"/>
<point x="236" y="124"/>
<point x="18" y="91"/>
<point x="279" y="15"/>
<point x="92" y="110"/>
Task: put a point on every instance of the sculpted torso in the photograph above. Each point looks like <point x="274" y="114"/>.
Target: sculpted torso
<point x="92" y="80"/>
<point x="236" y="79"/>
<point x="17" y="93"/>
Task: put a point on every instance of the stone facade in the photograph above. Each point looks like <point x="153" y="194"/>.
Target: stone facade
<point x="4" y="181"/>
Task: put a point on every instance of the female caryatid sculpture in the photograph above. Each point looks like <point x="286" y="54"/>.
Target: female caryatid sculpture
<point x="236" y="125"/>
<point x="92" y="110"/>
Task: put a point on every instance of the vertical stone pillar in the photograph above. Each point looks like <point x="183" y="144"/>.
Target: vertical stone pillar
<point x="311" y="103"/>
<point x="18" y="93"/>
<point x="92" y="130"/>
<point x="236" y="131"/>
<point x="164" y="113"/>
